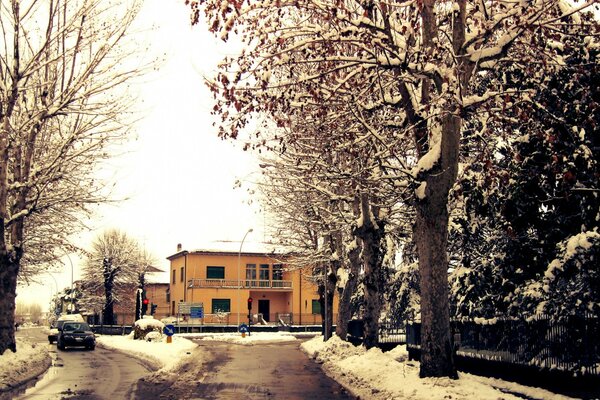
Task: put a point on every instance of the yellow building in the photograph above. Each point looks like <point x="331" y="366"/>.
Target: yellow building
<point x="223" y="282"/>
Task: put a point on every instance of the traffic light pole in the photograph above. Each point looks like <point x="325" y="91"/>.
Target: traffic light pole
<point x="249" y="314"/>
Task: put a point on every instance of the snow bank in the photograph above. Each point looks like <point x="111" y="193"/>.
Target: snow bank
<point x="376" y="375"/>
<point x="159" y="354"/>
<point x="249" y="340"/>
<point x="28" y="362"/>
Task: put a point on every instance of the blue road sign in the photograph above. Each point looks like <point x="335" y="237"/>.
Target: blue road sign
<point x="169" y="330"/>
<point x="197" y="312"/>
<point x="243" y="328"/>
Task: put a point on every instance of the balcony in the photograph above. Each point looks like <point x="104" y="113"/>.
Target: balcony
<point x="244" y="284"/>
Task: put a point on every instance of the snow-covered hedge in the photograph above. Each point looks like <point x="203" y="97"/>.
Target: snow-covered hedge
<point x="142" y="327"/>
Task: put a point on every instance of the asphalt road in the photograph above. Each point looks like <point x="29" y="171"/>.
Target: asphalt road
<point x="229" y="371"/>
<point x="83" y="374"/>
<point x="216" y="370"/>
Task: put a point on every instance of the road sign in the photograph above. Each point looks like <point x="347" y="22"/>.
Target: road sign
<point x="243" y="328"/>
<point x="169" y="330"/>
<point x="197" y="312"/>
<point x="183" y="308"/>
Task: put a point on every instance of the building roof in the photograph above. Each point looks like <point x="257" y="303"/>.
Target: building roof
<point x="213" y="252"/>
<point x="152" y="269"/>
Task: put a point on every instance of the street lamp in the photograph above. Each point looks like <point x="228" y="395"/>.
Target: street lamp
<point x="71" y="295"/>
<point x="238" y="273"/>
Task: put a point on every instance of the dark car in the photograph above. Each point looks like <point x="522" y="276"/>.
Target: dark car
<point x="77" y="334"/>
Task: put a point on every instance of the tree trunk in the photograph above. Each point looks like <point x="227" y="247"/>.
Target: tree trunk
<point x="431" y="237"/>
<point x="345" y="299"/>
<point x="327" y="318"/>
<point x="372" y="233"/>
<point x="108" y="316"/>
<point x="9" y="270"/>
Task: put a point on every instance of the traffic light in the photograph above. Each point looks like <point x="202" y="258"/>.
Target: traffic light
<point x="153" y="308"/>
<point x="249" y="303"/>
<point x="145" y="302"/>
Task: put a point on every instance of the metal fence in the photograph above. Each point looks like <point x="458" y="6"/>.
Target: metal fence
<point x="572" y="344"/>
<point x="391" y="332"/>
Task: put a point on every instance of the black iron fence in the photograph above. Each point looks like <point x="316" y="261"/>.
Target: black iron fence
<point x="391" y="332"/>
<point x="572" y="344"/>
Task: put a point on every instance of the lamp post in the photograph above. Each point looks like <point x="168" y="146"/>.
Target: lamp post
<point x="238" y="273"/>
<point x="71" y="294"/>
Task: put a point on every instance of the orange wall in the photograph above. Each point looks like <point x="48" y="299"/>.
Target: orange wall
<point x="297" y="301"/>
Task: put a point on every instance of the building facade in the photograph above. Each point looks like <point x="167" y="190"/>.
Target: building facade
<point x="223" y="283"/>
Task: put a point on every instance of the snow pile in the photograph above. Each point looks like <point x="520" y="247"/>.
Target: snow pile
<point x="372" y="374"/>
<point x="149" y="323"/>
<point x="28" y="362"/>
<point x="249" y="340"/>
<point x="159" y="354"/>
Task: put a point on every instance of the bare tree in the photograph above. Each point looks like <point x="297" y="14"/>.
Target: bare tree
<point x="412" y="66"/>
<point x="111" y="272"/>
<point x="62" y="104"/>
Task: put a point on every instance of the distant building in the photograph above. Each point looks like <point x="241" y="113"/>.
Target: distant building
<point x="224" y="281"/>
<point x="124" y="306"/>
<point x="158" y="295"/>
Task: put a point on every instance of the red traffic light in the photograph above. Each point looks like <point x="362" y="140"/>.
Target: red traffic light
<point x="249" y="303"/>
<point x="145" y="301"/>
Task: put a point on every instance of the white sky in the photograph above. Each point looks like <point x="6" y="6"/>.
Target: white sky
<point x="178" y="174"/>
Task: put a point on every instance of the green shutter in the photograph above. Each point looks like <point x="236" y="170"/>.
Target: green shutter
<point x="215" y="272"/>
<point x="221" y="305"/>
<point x="316" y="307"/>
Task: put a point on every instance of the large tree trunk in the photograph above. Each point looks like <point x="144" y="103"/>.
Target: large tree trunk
<point x="345" y="299"/>
<point x="108" y="316"/>
<point x="9" y="270"/>
<point x="372" y="234"/>
<point x="431" y="237"/>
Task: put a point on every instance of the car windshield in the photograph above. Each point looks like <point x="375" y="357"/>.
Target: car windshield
<point x="75" y="326"/>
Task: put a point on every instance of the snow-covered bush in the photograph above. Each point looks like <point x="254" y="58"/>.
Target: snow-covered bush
<point x="142" y="327"/>
<point x="153" y="336"/>
<point x="572" y="281"/>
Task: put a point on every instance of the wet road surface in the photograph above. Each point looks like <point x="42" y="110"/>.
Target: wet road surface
<point x="263" y="371"/>
<point x="83" y="374"/>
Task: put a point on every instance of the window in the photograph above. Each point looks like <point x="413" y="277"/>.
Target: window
<point x="316" y="307"/>
<point x="250" y="275"/>
<point x="263" y="275"/>
<point x="264" y="272"/>
<point x="277" y="272"/>
<point x="215" y="272"/>
<point x="168" y="295"/>
<point x="173" y="280"/>
<point x="182" y="277"/>
<point x="220" y="305"/>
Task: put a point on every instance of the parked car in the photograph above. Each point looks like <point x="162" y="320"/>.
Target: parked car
<point x="54" y="328"/>
<point x="75" y="334"/>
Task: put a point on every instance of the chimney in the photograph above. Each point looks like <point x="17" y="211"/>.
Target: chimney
<point x="178" y="247"/>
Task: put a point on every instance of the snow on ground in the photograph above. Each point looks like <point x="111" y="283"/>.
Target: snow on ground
<point x="248" y="340"/>
<point x="159" y="354"/>
<point x="376" y="375"/>
<point x="30" y="360"/>
<point x="369" y="374"/>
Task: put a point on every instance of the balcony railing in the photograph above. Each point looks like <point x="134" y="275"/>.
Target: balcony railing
<point x="244" y="284"/>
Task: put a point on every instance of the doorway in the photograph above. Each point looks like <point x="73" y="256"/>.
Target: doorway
<point x="264" y="309"/>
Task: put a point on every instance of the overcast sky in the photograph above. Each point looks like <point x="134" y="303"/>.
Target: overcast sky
<point x="178" y="174"/>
